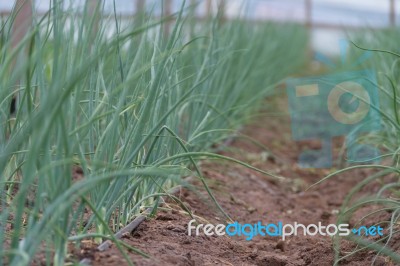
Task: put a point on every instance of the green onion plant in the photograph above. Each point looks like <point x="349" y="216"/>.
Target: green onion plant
<point x="135" y="107"/>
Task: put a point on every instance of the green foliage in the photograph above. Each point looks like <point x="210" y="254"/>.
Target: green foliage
<point x="385" y="61"/>
<point x="133" y="107"/>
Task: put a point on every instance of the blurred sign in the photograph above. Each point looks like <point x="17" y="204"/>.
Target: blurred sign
<point x="341" y="104"/>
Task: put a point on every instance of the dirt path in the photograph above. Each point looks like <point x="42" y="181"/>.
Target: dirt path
<point x="250" y="197"/>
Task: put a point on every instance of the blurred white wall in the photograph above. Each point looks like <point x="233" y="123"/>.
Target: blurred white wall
<point x="336" y="13"/>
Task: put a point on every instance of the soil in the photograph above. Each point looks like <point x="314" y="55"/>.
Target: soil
<point x="249" y="197"/>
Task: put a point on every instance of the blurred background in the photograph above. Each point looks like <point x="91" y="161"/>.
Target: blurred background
<point x="328" y="20"/>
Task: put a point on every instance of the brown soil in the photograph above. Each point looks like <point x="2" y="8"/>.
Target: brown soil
<point x="249" y="197"/>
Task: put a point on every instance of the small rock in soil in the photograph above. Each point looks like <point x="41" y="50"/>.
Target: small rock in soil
<point x="176" y="228"/>
<point x="165" y="217"/>
<point x="251" y="209"/>
<point x="281" y="245"/>
<point x="186" y="241"/>
<point x="326" y="215"/>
